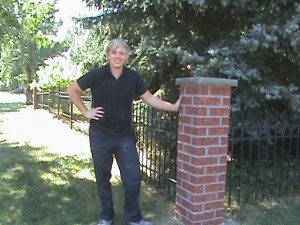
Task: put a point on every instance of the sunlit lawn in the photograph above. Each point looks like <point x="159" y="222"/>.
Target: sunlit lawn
<point x="43" y="188"/>
<point x="39" y="187"/>
<point x="283" y="211"/>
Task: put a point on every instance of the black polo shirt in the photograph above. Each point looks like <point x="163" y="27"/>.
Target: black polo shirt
<point x="115" y="96"/>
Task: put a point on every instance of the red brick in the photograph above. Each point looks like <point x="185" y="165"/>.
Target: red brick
<point x="194" y="151"/>
<point x="180" y="128"/>
<point x="214" y="187"/>
<point x="193" y="130"/>
<point x="215" y="169"/>
<point x="200" y="121"/>
<point x="196" y="178"/>
<point x="213" y="206"/>
<point x="224" y="141"/>
<point x="223" y="159"/>
<point x="186" y="185"/>
<point x="198" y="189"/>
<point x="180" y="146"/>
<point x="197" y="90"/>
<point x="192" y="110"/>
<point x="220" y="213"/>
<point x="184" y="138"/>
<point x="181" y="210"/>
<point x="217" y="131"/>
<point x="209" y="179"/>
<point x="186" y="221"/>
<point x="179" y="165"/>
<point x="225" y="122"/>
<point x="205" y="197"/>
<point x="201" y="216"/>
<point x="222" y="91"/>
<point x="200" y="170"/>
<point x="222" y="112"/>
<point x="184" y="120"/>
<point x="181" y="193"/>
<point x="226" y="101"/>
<point x="204" y="161"/>
<point x="221" y="195"/>
<point x="205" y="141"/>
<point x="191" y="206"/>
<point x="192" y="169"/>
<point x="183" y="157"/>
<point x="203" y="179"/>
<point x="207" y="101"/>
<point x="217" y="150"/>
<point x="222" y="177"/>
<point x="186" y="100"/>
<point x="183" y="175"/>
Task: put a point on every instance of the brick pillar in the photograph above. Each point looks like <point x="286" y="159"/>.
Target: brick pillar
<point x="202" y="149"/>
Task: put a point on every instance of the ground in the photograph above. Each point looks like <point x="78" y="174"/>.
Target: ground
<point x="23" y="125"/>
<point x="39" y="129"/>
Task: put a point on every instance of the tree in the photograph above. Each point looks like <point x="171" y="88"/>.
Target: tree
<point x="85" y="49"/>
<point x="27" y="47"/>
<point x="8" y="18"/>
<point x="256" y="42"/>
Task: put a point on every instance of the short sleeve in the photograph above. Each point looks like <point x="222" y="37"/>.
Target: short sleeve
<point x="141" y="86"/>
<point x="87" y="80"/>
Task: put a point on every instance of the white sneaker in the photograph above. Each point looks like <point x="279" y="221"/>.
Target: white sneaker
<point x="105" y="222"/>
<point x="142" y="222"/>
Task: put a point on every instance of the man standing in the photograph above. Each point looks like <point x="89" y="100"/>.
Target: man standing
<point x="113" y="88"/>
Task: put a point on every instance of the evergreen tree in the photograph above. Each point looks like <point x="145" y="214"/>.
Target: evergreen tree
<point x="256" y="42"/>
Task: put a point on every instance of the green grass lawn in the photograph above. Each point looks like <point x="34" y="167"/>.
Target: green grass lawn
<point x="38" y="187"/>
<point x="282" y="211"/>
<point x="42" y="188"/>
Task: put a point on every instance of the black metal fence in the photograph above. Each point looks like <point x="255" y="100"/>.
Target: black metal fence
<point x="156" y="133"/>
<point x="263" y="156"/>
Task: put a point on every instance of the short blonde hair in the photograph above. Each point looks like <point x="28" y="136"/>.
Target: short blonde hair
<point x="116" y="43"/>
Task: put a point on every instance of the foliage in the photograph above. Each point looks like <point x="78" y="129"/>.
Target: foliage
<point x="85" y="49"/>
<point x="8" y="18"/>
<point x="256" y="42"/>
<point x="57" y="72"/>
<point x="25" y="48"/>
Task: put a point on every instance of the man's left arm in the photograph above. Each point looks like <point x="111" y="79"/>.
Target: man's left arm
<point x="158" y="103"/>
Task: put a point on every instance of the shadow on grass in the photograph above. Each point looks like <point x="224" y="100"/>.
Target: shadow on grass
<point x="11" y="107"/>
<point x="38" y="187"/>
<point x="42" y="188"/>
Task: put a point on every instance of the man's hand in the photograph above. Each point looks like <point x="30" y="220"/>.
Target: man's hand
<point x="177" y="104"/>
<point x="94" y="113"/>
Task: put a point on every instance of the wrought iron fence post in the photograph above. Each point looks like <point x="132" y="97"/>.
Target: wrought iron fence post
<point x="35" y="98"/>
<point x="71" y="114"/>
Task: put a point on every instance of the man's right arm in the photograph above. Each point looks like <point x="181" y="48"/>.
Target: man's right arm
<point x="74" y="92"/>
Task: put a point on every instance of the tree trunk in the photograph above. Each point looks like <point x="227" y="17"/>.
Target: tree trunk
<point x="28" y="94"/>
<point x="29" y="91"/>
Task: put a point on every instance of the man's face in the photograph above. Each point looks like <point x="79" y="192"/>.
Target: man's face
<point x="117" y="57"/>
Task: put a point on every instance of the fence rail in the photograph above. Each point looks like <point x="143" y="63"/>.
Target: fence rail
<point x="263" y="157"/>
